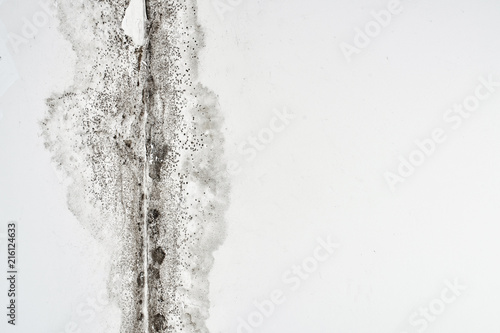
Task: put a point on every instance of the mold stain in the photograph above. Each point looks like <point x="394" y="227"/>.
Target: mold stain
<point x="140" y="138"/>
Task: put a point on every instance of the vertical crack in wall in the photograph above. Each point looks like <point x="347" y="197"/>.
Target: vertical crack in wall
<point x="140" y="139"/>
<point x="145" y="60"/>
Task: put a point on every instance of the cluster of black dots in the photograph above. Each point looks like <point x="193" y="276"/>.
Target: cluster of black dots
<point x="117" y="89"/>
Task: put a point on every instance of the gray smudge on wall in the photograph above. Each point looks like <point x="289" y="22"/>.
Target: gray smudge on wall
<point x="140" y="138"/>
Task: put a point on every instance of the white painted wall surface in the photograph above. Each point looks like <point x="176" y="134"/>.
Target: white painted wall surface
<point x="428" y="244"/>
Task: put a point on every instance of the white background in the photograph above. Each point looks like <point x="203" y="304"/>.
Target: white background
<point x="60" y="265"/>
<point x="323" y="175"/>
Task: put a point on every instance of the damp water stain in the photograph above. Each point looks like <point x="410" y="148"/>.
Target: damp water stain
<point x="140" y="138"/>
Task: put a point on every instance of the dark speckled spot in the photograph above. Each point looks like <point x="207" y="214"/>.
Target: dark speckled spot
<point x="158" y="157"/>
<point x="153" y="215"/>
<point x="140" y="280"/>
<point x="158" y="255"/>
<point x="158" y="322"/>
<point x="154" y="273"/>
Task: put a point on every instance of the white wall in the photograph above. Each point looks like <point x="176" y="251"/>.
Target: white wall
<point x="321" y="175"/>
<point x="324" y="174"/>
<point x="61" y="268"/>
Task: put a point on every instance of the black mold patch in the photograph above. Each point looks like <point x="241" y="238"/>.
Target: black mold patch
<point x="153" y="215"/>
<point x="154" y="273"/>
<point x="158" y="255"/>
<point x="159" y="323"/>
<point x="158" y="158"/>
<point x="141" y="140"/>
<point x="140" y="280"/>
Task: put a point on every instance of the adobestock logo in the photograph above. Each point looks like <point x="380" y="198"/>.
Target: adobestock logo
<point x="455" y="117"/>
<point x="407" y="165"/>
<point x="31" y="26"/>
<point x="372" y="29"/>
<point x="8" y="69"/>
<point x="424" y="316"/>
<point x="293" y="279"/>
<point x="87" y="312"/>
<point x="224" y="6"/>
<point x="253" y="144"/>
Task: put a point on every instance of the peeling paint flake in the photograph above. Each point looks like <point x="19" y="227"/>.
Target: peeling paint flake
<point x="134" y="22"/>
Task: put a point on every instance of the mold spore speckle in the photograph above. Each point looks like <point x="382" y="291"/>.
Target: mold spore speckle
<point x="140" y="137"/>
